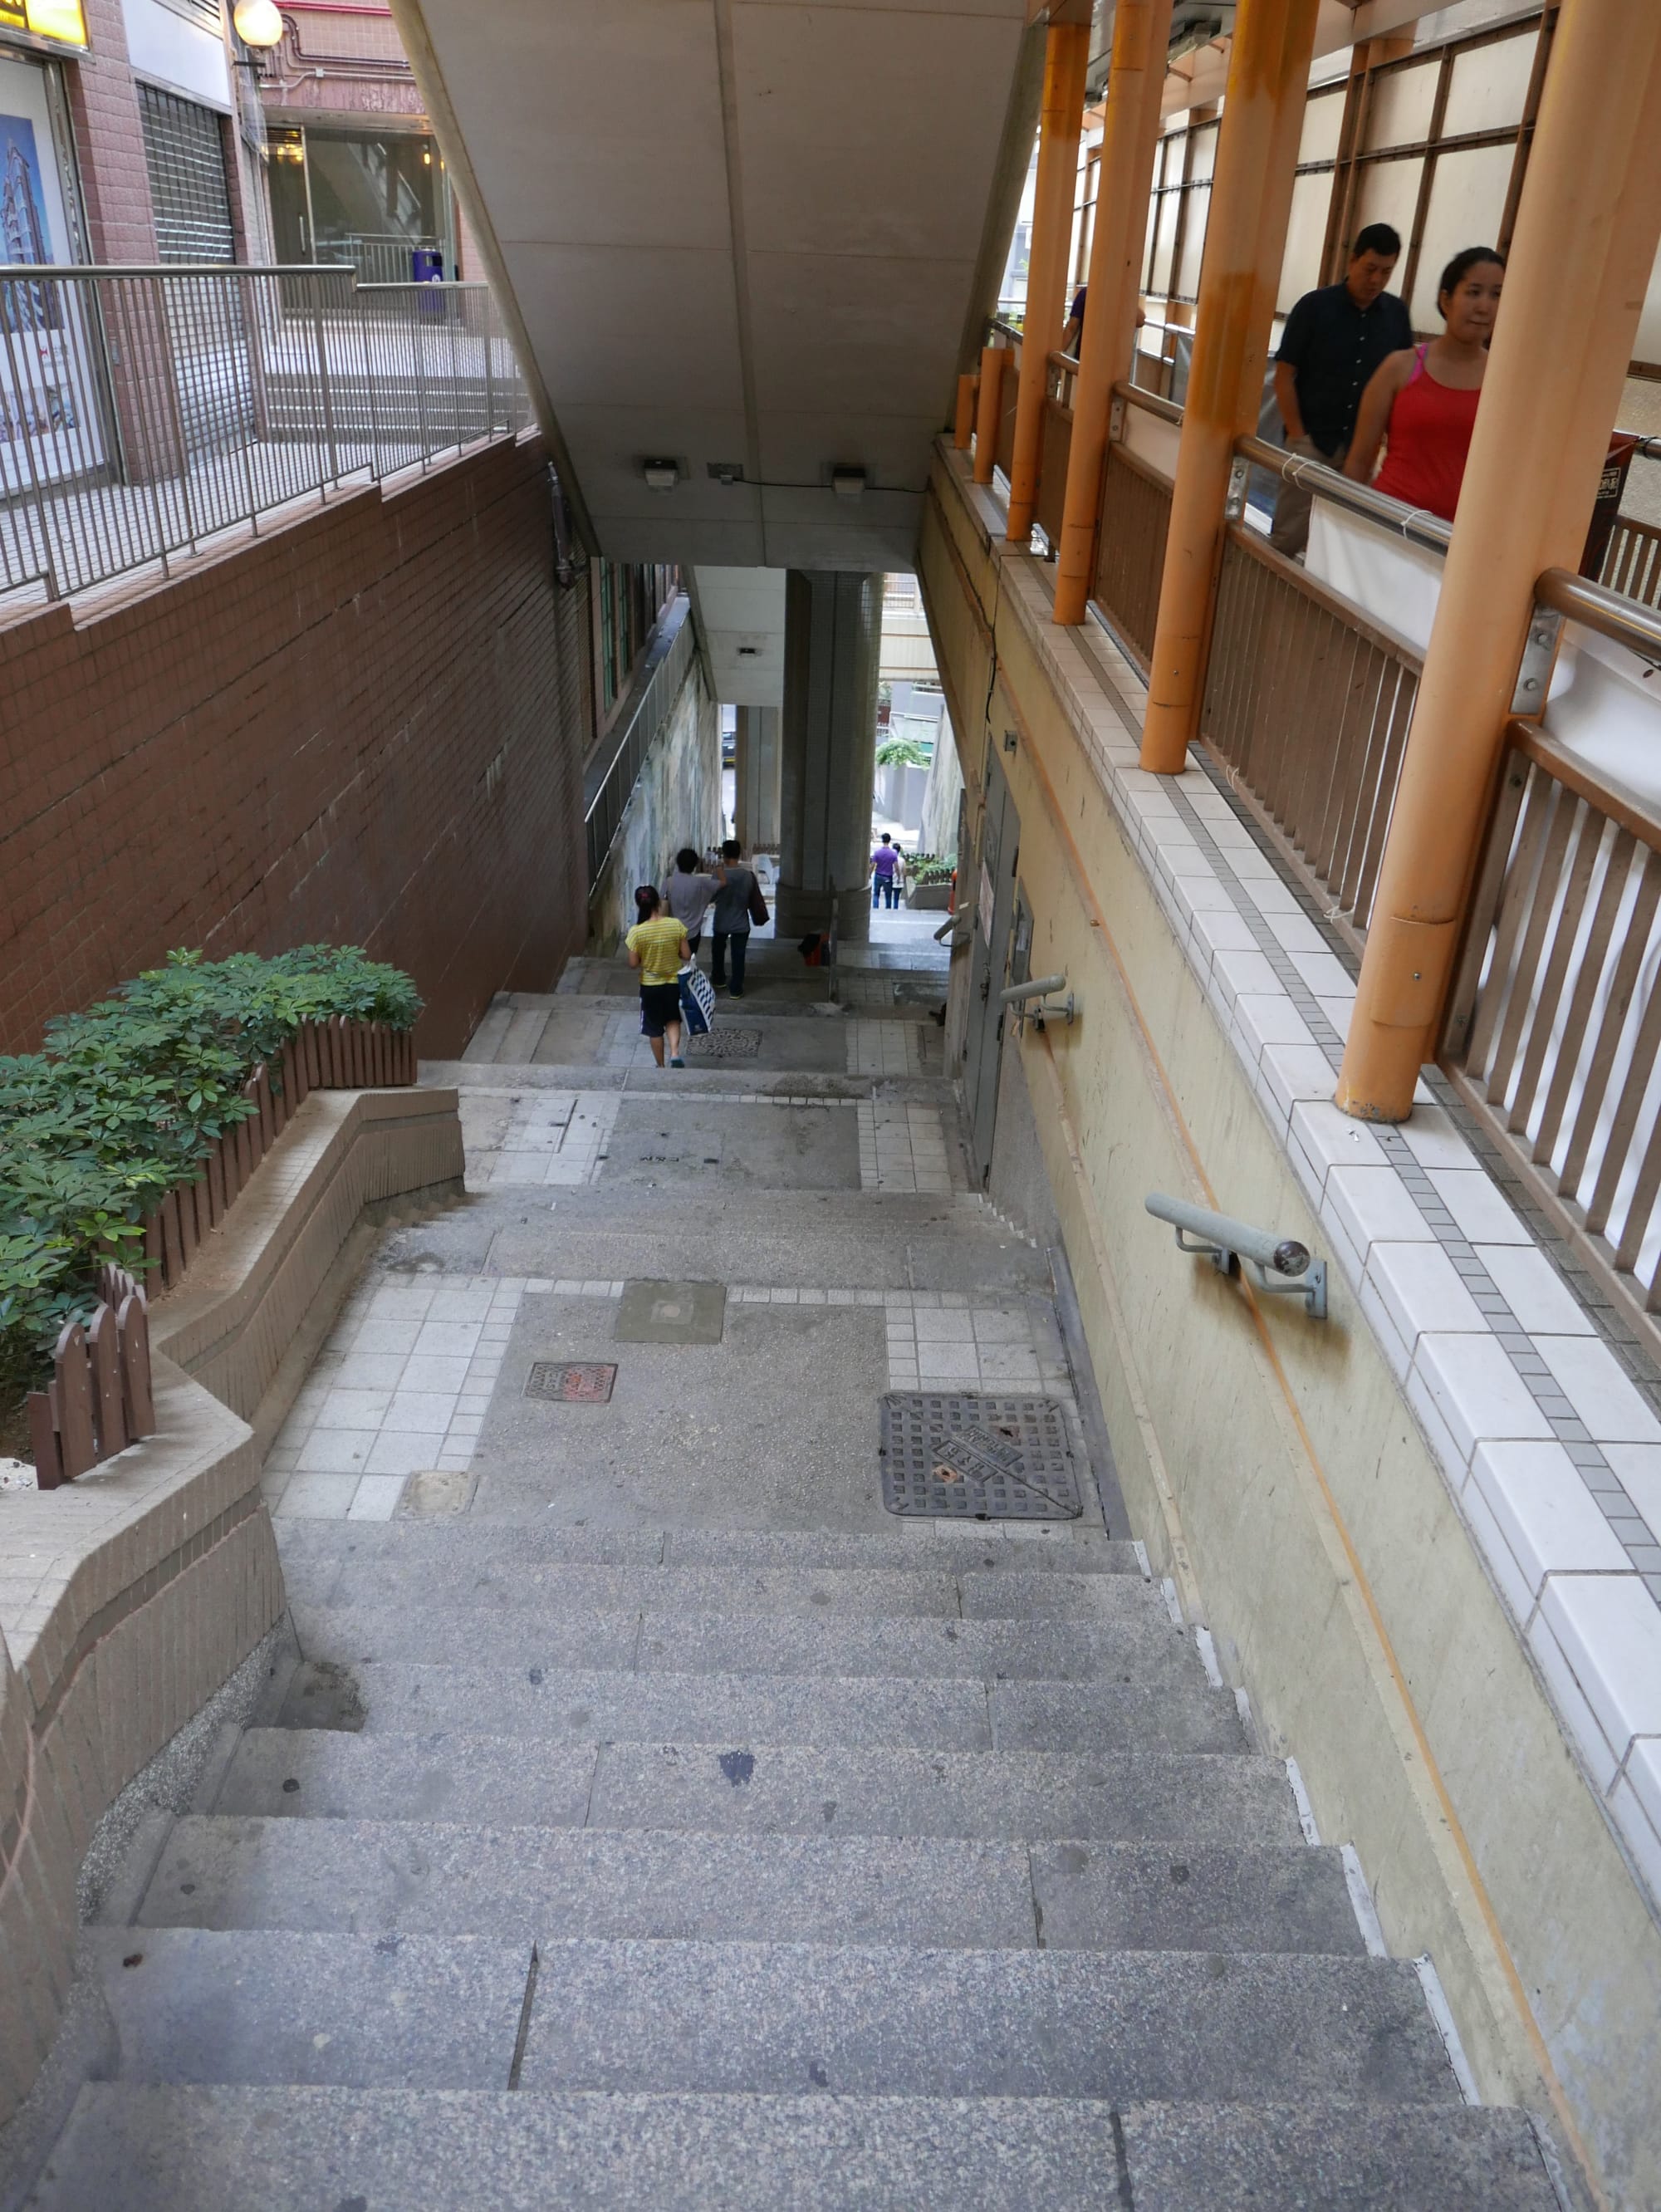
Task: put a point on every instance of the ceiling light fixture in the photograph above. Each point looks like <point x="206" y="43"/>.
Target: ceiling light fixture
<point x="257" y="22"/>
<point x="661" y="475"/>
<point x="847" y="481"/>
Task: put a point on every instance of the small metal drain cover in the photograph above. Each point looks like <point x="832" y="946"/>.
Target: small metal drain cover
<point x="586" y="1384"/>
<point x="960" y="1456"/>
<point x="724" y="1043"/>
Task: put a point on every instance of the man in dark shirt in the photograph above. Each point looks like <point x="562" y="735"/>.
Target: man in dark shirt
<point x="1333" y="341"/>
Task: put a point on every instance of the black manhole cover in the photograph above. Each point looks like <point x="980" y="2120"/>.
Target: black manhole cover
<point x="724" y="1043"/>
<point x="587" y="1383"/>
<point x="961" y="1456"/>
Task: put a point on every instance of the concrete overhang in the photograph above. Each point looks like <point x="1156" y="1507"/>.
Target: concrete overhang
<point x="744" y="236"/>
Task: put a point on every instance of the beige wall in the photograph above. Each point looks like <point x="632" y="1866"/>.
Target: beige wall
<point x="1274" y="1468"/>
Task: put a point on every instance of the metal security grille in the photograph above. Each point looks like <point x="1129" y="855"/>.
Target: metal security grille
<point x="961" y="1456"/>
<point x="185" y="154"/>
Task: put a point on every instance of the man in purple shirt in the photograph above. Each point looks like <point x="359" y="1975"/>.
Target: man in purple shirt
<point x="884" y="860"/>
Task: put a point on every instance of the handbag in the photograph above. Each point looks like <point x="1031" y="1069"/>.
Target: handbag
<point x="697" y="1000"/>
<point x="758" y="905"/>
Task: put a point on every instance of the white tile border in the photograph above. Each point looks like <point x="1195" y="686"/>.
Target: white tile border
<point x="1484" y="1387"/>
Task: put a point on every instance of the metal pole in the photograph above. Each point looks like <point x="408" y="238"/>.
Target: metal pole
<point x="1066" y="56"/>
<point x="1587" y="228"/>
<point x="1142" y="31"/>
<point x="323" y="393"/>
<point x="1244" y="237"/>
<point x="992" y="359"/>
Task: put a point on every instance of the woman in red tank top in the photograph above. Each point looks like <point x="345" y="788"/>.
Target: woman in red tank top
<point x="1424" y="398"/>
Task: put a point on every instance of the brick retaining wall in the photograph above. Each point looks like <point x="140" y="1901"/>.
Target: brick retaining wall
<point x="350" y="729"/>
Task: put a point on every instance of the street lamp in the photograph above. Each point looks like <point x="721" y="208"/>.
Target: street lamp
<point x="257" y="22"/>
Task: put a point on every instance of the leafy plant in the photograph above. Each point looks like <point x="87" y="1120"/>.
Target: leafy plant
<point x="126" y="1098"/>
<point x="902" y="752"/>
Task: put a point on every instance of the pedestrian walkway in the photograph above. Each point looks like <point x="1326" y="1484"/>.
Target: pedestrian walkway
<point x="641" y="1814"/>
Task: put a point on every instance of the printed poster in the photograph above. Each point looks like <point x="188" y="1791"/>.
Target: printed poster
<point x="43" y="381"/>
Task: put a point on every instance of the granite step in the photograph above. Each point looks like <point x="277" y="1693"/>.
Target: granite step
<point x="1143" y="1646"/>
<point x="448" y="1877"/>
<point x="1335" y="2158"/>
<point x="314" y="2149"/>
<point x="157" y="2149"/>
<point x="856" y="2020"/>
<point x="914" y="1547"/>
<point x="521" y="1585"/>
<point x="1144" y="1796"/>
<point x="739" y="1710"/>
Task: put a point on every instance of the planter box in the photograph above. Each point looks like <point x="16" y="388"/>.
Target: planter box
<point x="935" y="897"/>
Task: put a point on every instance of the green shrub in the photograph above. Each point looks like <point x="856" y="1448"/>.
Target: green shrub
<point x="902" y="752"/>
<point x="126" y="1098"/>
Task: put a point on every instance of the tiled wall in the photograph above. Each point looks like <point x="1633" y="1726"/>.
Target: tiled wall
<point x="351" y="729"/>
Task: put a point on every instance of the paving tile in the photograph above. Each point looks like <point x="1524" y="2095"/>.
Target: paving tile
<point x="318" y="1497"/>
<point x="448" y="1339"/>
<point x="1477" y="1391"/>
<point x="1534" y="1290"/>
<point x="420" y="1411"/>
<point x="1574" y="1708"/>
<point x="1639" y="1466"/>
<point x="376" y="1497"/>
<point x="1420" y="1290"/>
<point x="1591" y="1379"/>
<point x="354" y="1409"/>
<point x="1371" y="1203"/>
<point x="1609" y="1628"/>
<point x="400" y="1454"/>
<point x="1551" y="1521"/>
<point x="336" y="1451"/>
<point x="1481" y="1211"/>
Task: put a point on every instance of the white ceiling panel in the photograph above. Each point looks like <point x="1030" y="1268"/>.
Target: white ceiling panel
<point x="816" y="320"/>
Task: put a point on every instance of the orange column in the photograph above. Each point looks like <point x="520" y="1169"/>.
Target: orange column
<point x="1245" y="235"/>
<point x="1066" y="54"/>
<point x="1142" y="31"/>
<point x="1587" y="228"/>
<point x="963" y="424"/>
<point x="987" y="408"/>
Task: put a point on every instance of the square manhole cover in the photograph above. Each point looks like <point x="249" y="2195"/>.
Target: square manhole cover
<point x="587" y="1383"/>
<point x="671" y="1313"/>
<point x="961" y="1457"/>
<point x="724" y="1043"/>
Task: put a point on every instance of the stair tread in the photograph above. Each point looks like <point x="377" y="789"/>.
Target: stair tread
<point x="859" y="2019"/>
<point x="1233" y="2158"/>
<point x="153" y="2150"/>
<point x="599" y="1705"/>
<point x="1198" y="1797"/>
<point x="1143" y="1646"/>
<point x="921" y="1547"/>
<point x="436" y="1877"/>
<point x="525" y="1586"/>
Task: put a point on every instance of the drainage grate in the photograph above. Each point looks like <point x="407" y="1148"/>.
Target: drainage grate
<point x="724" y="1043"/>
<point x="588" y="1384"/>
<point x="963" y="1457"/>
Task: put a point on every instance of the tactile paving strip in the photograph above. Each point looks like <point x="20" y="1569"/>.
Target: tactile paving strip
<point x="960" y="1456"/>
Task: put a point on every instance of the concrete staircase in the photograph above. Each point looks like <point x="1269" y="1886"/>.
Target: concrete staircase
<point x="697" y="1869"/>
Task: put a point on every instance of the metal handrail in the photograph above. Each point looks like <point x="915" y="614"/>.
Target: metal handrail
<point x="1412" y="523"/>
<point x="1627" y="622"/>
<point x="668" y="657"/>
<point x="1151" y="403"/>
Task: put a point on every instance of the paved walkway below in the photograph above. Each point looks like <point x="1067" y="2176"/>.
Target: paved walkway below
<point x="641" y="1814"/>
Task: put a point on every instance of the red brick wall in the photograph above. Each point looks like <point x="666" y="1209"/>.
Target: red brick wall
<point x="351" y="730"/>
<point x="109" y="140"/>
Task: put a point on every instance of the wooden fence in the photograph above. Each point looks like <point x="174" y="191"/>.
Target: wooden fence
<point x="333" y="1056"/>
<point x="99" y="1399"/>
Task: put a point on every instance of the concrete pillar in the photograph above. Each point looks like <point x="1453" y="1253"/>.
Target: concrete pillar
<point x="1585" y="245"/>
<point x="759" y="758"/>
<point x="1244" y="244"/>
<point x="833" y="636"/>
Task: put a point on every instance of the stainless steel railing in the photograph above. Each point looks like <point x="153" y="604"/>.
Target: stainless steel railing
<point x="611" y="781"/>
<point x="145" y="411"/>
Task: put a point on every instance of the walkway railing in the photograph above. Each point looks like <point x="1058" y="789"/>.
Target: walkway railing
<point x="611" y="779"/>
<point x="1553" y="1031"/>
<point x="143" y="412"/>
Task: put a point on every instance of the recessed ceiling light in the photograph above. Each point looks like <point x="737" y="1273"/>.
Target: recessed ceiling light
<point x="847" y="481"/>
<point x="661" y="475"/>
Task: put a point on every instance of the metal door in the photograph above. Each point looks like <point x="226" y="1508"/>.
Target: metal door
<point x="1000" y="845"/>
